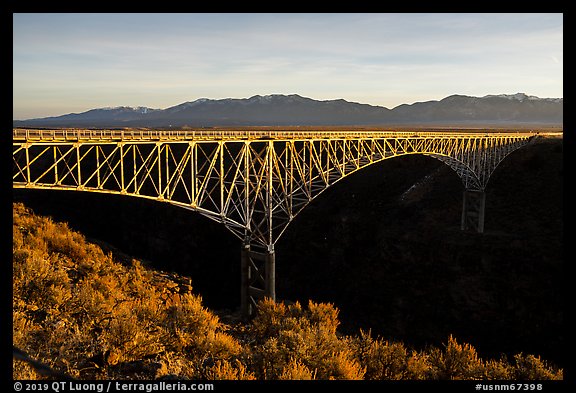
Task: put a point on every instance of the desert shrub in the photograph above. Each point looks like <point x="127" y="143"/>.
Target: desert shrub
<point x="38" y="281"/>
<point x="530" y="367"/>
<point x="418" y="366"/>
<point x="296" y="370"/>
<point x="286" y="334"/>
<point x="339" y="365"/>
<point x="384" y="360"/>
<point x="194" y="329"/>
<point x="271" y="318"/>
<point x="61" y="240"/>
<point x="456" y="361"/>
<point x="324" y="316"/>
<point x="498" y="370"/>
<point x="128" y="339"/>
<point x="24" y="371"/>
<point x="175" y="364"/>
<point x="82" y="313"/>
<point x="22" y="329"/>
<point x="227" y="370"/>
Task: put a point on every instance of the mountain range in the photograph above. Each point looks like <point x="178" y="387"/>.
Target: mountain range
<point x="295" y="110"/>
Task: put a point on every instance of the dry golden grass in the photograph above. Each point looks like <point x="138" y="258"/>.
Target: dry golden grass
<point x="81" y="313"/>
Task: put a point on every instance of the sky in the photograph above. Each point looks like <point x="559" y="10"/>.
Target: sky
<point x="70" y="63"/>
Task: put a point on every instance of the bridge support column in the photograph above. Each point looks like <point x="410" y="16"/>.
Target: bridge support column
<point x="258" y="270"/>
<point x="473" y="210"/>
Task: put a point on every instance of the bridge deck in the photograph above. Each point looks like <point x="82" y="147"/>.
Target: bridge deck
<point x="87" y="135"/>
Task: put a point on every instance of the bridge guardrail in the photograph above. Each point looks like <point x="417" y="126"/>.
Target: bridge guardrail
<point x="181" y="135"/>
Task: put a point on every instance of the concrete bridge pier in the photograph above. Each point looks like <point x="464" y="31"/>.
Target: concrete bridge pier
<point x="473" y="209"/>
<point x="258" y="271"/>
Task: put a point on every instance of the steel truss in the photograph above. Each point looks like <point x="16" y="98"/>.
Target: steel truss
<point x="255" y="183"/>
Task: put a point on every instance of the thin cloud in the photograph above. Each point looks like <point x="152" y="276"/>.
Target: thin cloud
<point x="380" y="59"/>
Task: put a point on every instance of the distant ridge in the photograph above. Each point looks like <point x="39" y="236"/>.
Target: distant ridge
<point x="295" y="110"/>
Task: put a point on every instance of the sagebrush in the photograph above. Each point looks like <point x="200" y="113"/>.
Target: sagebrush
<point x="83" y="314"/>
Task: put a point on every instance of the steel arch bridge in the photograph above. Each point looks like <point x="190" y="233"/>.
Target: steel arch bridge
<point x="253" y="182"/>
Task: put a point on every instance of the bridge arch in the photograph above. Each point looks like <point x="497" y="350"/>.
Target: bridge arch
<point x="459" y="168"/>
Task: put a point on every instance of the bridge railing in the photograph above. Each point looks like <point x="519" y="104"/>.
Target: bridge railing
<point x="48" y="135"/>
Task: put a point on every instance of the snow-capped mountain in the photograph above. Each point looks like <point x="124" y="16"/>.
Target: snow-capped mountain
<point x="292" y="110"/>
<point x="522" y="96"/>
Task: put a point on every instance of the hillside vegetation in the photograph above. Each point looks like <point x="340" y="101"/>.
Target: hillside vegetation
<point x="83" y="314"/>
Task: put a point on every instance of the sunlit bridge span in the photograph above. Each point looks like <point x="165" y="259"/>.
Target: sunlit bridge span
<point x="253" y="182"/>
